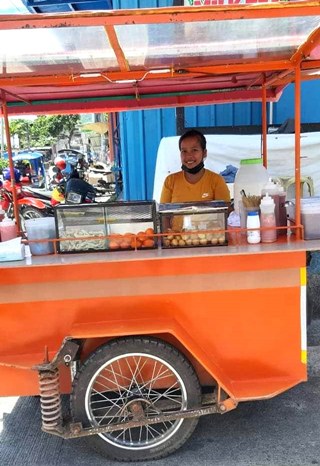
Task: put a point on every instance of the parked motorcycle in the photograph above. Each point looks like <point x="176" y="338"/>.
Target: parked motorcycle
<point x="29" y="205"/>
<point x="73" y="190"/>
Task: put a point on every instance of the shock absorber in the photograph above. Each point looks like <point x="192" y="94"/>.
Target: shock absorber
<point x="51" y="409"/>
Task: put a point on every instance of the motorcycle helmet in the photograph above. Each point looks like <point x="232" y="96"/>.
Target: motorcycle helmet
<point x="60" y="163"/>
<point x="7" y="175"/>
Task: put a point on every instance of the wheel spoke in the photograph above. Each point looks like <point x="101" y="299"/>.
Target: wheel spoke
<point x="131" y="385"/>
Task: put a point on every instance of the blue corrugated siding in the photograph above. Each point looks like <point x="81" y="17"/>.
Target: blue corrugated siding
<point x="140" y="134"/>
<point x="127" y="4"/>
<point x="248" y="113"/>
<point x="141" y="131"/>
<point x="55" y="6"/>
<point x="310" y="110"/>
<point x="59" y="6"/>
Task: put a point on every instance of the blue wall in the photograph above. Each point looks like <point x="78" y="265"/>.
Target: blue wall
<point x="141" y="131"/>
<point x="224" y="115"/>
<point x="140" y="134"/>
<point x="127" y="4"/>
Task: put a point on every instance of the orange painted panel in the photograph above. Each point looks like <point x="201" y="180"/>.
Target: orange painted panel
<point x="133" y="267"/>
<point x="240" y="320"/>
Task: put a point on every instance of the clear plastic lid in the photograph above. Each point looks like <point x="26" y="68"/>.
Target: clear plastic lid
<point x="270" y="186"/>
<point x="266" y="201"/>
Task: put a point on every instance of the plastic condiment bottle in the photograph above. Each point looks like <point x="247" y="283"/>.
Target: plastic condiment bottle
<point x="251" y="177"/>
<point x="233" y="222"/>
<point x="8" y="229"/>
<point x="268" y="219"/>
<point x="279" y="196"/>
<point x="253" y="221"/>
<point x="282" y="210"/>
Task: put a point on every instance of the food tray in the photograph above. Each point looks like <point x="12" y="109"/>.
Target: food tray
<point x="193" y="224"/>
<point x="122" y="226"/>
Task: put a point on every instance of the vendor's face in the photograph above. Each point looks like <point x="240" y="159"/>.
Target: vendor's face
<point x="191" y="152"/>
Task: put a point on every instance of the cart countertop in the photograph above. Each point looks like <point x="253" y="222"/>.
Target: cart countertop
<point x="174" y="253"/>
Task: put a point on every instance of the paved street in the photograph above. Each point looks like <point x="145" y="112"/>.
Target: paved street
<point x="279" y="432"/>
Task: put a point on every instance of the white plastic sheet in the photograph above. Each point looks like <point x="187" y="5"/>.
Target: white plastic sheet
<point x="228" y="149"/>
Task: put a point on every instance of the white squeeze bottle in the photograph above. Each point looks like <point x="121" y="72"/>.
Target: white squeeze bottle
<point x="8" y="229"/>
<point x="268" y="219"/>
<point x="253" y="221"/>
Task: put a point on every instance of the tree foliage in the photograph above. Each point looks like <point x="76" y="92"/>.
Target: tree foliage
<point x="3" y="164"/>
<point x="44" y="130"/>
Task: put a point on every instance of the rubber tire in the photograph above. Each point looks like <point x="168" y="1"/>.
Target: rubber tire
<point x="36" y="213"/>
<point x="150" y="346"/>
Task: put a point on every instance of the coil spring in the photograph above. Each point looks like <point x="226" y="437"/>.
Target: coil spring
<point x="50" y="400"/>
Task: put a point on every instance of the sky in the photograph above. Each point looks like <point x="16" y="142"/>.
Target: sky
<point x="12" y="6"/>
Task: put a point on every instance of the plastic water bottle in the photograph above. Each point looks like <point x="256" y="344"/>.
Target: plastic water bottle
<point x="251" y="177"/>
<point x="268" y="219"/>
<point x="253" y="221"/>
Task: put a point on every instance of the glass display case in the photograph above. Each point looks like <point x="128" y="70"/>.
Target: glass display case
<point x="193" y="224"/>
<point x="106" y="226"/>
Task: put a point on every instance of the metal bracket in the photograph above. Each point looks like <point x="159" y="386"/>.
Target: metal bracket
<point x="76" y="430"/>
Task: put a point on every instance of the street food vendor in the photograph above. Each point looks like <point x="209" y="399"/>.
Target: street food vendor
<point x="194" y="182"/>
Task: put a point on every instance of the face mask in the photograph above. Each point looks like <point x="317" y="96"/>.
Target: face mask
<point x="193" y="170"/>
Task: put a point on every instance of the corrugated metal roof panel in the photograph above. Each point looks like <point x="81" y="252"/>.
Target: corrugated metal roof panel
<point x="56" y="6"/>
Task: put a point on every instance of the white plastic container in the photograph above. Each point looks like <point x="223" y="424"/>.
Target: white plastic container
<point x="253" y="221"/>
<point x="251" y="177"/>
<point x="278" y="194"/>
<point x="268" y="219"/>
<point x="233" y="222"/>
<point x="41" y="228"/>
<point x="8" y="229"/>
<point x="310" y="216"/>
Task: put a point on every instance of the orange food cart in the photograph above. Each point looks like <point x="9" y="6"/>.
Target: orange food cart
<point x="147" y="341"/>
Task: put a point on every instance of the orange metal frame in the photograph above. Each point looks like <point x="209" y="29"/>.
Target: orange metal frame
<point x="238" y="317"/>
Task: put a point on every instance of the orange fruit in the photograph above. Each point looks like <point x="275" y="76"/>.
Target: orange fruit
<point x="128" y="236"/>
<point x="141" y="236"/>
<point x="150" y="232"/>
<point x="113" y="245"/>
<point x="135" y="243"/>
<point x="148" y="243"/>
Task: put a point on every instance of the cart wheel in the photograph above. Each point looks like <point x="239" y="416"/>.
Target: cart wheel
<point x="132" y="377"/>
<point x="27" y="213"/>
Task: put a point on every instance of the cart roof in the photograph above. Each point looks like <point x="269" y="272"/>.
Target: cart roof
<point x="24" y="155"/>
<point x="145" y="58"/>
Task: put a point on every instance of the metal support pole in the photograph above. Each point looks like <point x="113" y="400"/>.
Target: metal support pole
<point x="111" y="126"/>
<point x="264" y="126"/>
<point x="297" y="118"/>
<point x="11" y="165"/>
